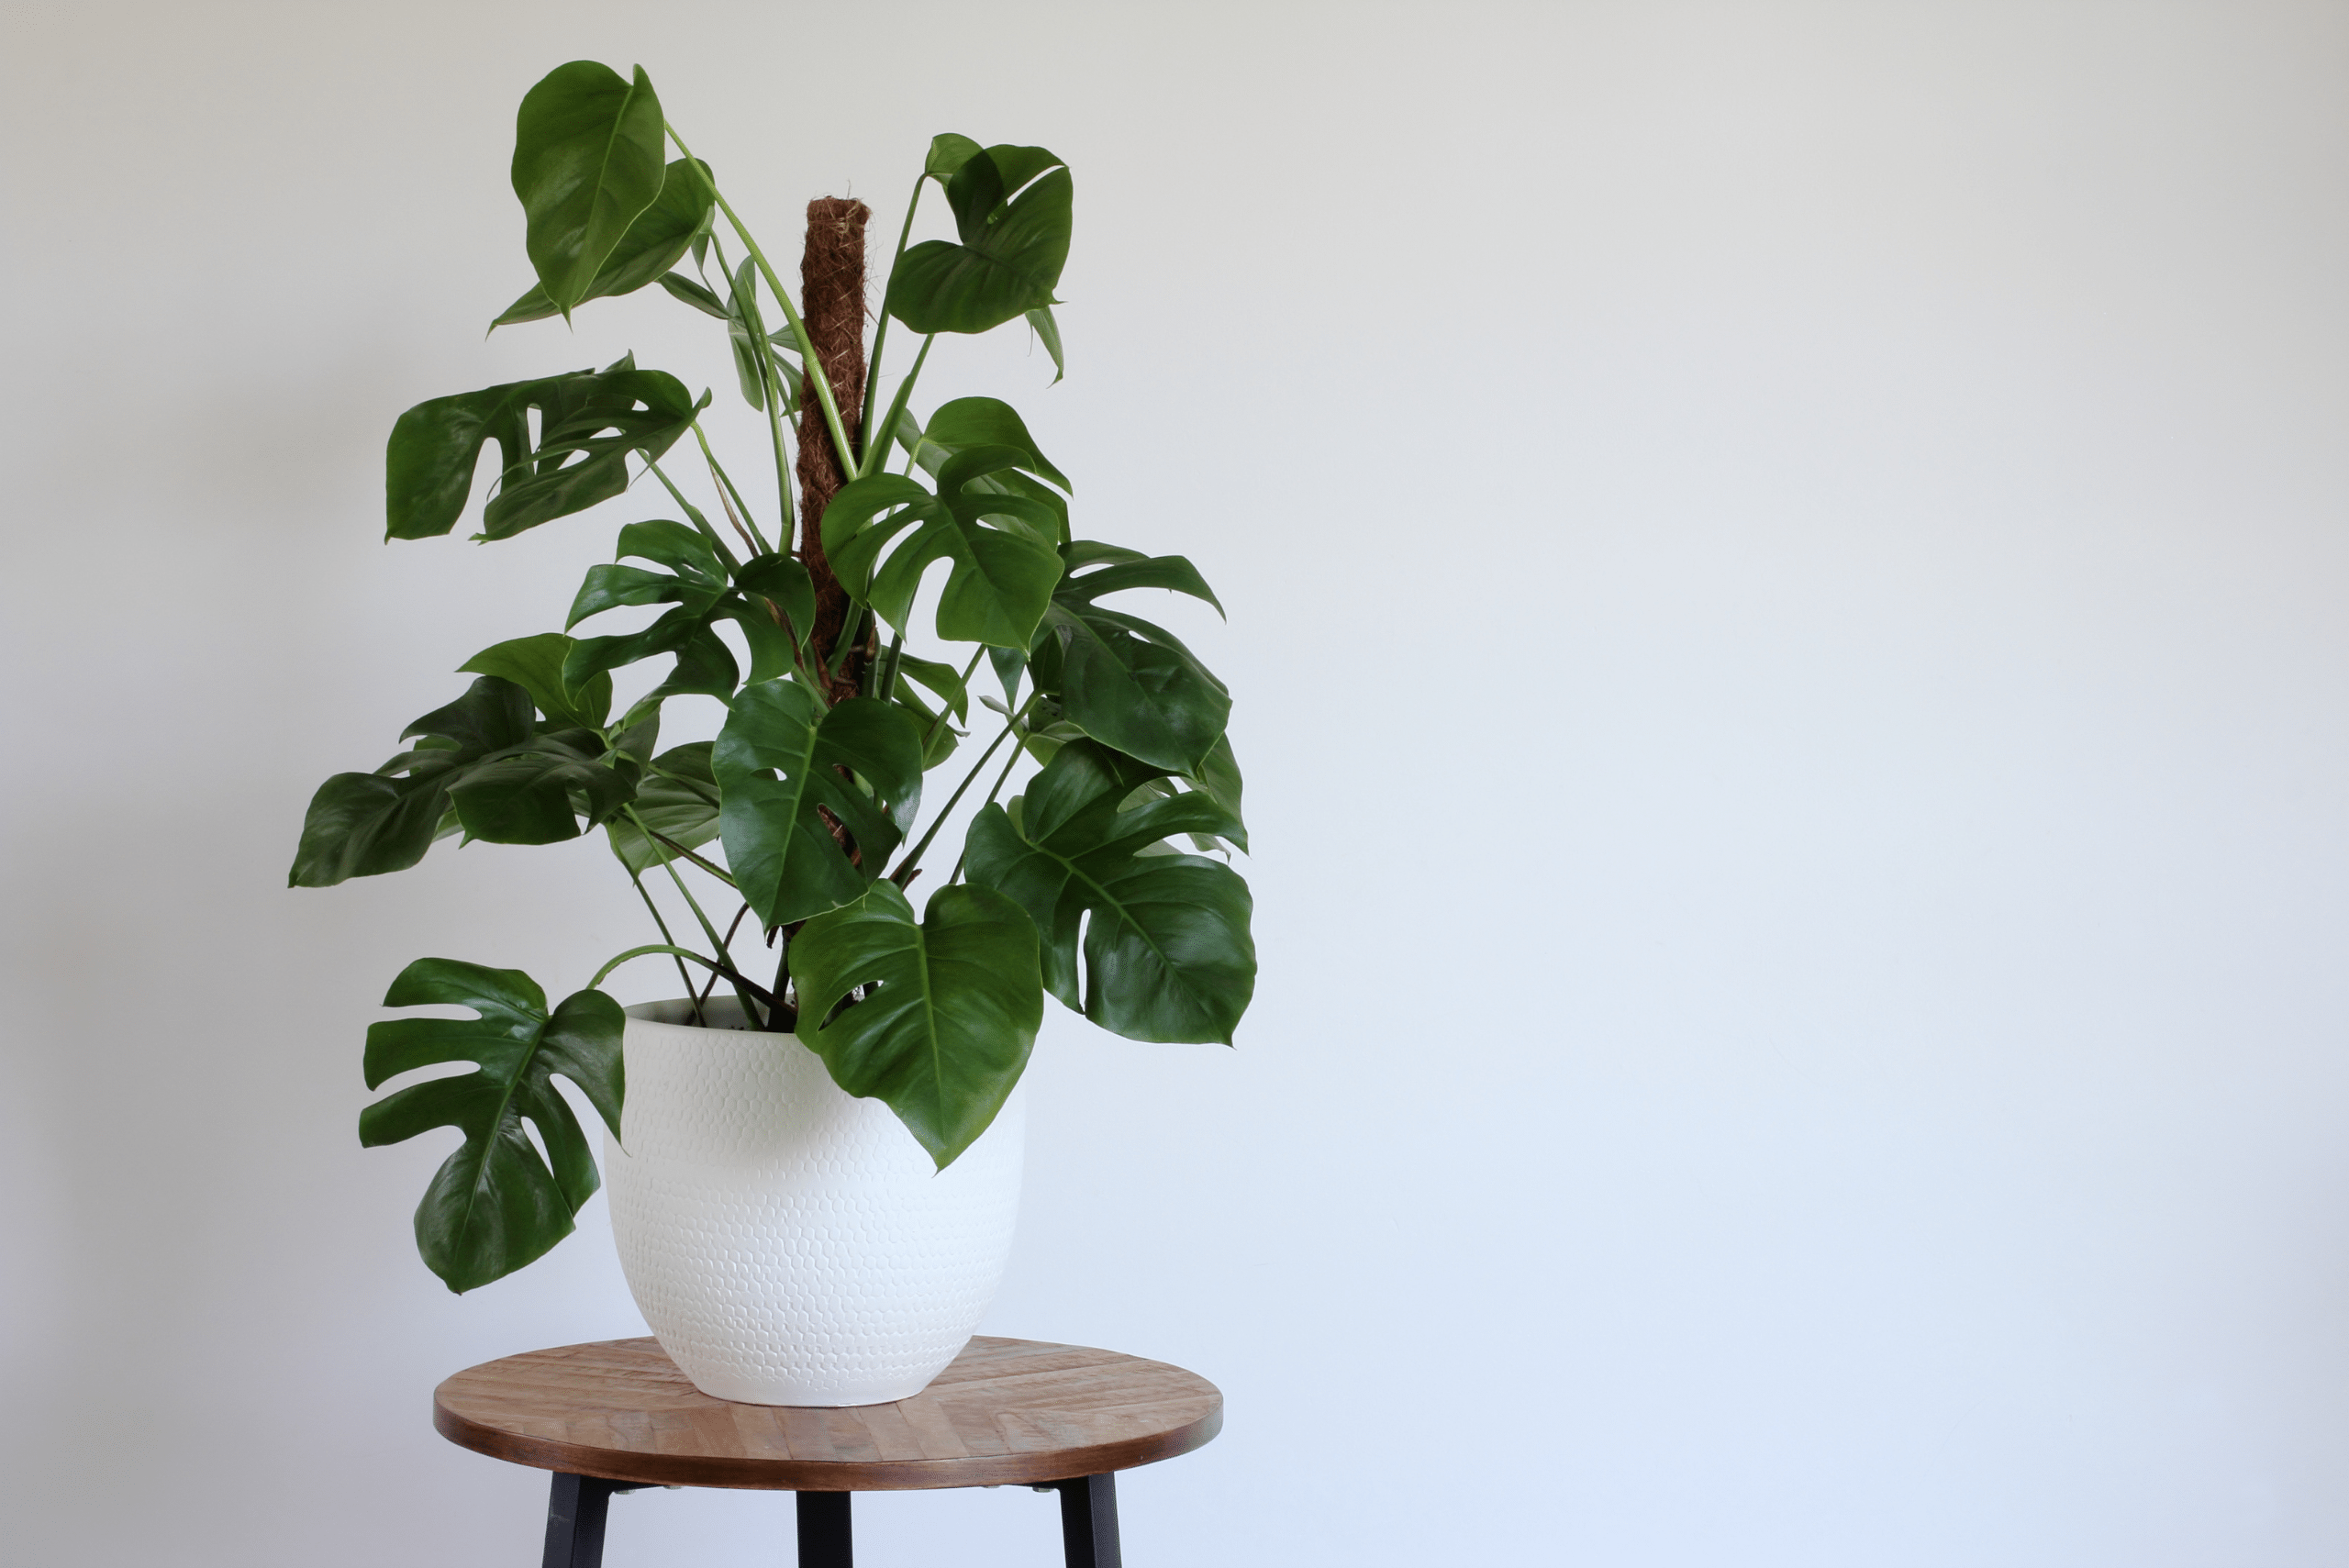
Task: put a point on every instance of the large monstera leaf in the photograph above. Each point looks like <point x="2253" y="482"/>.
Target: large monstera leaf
<point x="1011" y="218"/>
<point x="588" y="423"/>
<point x="654" y="242"/>
<point x="1130" y="684"/>
<point x="1166" y="951"/>
<point x="587" y="146"/>
<point x="494" y="1205"/>
<point x="948" y="1014"/>
<point x="882" y="532"/>
<point x="480" y="764"/>
<point x="791" y="772"/>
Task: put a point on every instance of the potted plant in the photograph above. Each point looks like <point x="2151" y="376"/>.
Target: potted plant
<point x="813" y="1170"/>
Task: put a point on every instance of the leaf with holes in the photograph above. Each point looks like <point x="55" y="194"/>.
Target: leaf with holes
<point x="1166" y="951"/>
<point x="789" y="771"/>
<point x="494" y="1205"/>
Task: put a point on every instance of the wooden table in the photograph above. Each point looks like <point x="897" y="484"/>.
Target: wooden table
<point x="617" y="1417"/>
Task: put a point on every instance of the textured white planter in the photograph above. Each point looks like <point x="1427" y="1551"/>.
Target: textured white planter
<point x="787" y="1243"/>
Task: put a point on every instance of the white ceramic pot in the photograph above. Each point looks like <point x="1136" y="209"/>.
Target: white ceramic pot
<point x="787" y="1243"/>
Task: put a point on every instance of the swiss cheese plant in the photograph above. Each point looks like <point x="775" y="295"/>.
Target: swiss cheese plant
<point x="924" y="609"/>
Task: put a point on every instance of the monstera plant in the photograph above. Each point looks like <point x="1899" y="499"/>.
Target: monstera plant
<point x="926" y="585"/>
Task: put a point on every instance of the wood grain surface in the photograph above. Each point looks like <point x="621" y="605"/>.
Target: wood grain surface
<point x="1005" y="1412"/>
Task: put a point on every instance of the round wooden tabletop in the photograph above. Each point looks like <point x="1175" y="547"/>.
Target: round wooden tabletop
<point x="1006" y="1412"/>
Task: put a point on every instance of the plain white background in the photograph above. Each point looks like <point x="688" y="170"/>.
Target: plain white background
<point x="1787" y="566"/>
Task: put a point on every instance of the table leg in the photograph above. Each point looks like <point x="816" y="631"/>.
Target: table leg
<point x="1089" y="1521"/>
<point x="824" y="1530"/>
<point x="576" y="1507"/>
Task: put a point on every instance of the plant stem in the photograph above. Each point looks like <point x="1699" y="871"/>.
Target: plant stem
<point x="749" y="1011"/>
<point x="885" y="687"/>
<point x="945" y="707"/>
<point x="881" y="333"/>
<point x="876" y="447"/>
<point x="808" y="358"/>
<point x="1010" y="762"/>
<point x="764" y="357"/>
<point x="699" y="1022"/>
<point x="706" y="990"/>
<point x="694" y="512"/>
<point x="904" y="873"/>
<point x="737" y="511"/>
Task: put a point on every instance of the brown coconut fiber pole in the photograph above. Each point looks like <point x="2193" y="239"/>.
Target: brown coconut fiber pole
<point x="831" y="305"/>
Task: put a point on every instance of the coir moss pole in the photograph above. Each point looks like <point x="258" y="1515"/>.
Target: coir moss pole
<point x="831" y="303"/>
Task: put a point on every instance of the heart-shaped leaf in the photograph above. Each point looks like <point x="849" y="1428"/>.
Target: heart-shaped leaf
<point x="949" y="1015"/>
<point x="653" y="243"/>
<point x="1013" y="220"/>
<point x="1167" y="953"/>
<point x="790" y="770"/>
<point x="494" y="1205"/>
<point x="587" y="160"/>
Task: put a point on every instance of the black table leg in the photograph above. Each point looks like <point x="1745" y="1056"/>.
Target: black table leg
<point x="576" y="1507"/>
<point x="1089" y="1521"/>
<point x="824" y="1530"/>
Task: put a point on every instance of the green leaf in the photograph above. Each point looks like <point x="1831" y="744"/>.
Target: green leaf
<point x="1167" y="953"/>
<point x="694" y="294"/>
<point x="970" y="422"/>
<point x="948" y="152"/>
<point x="678" y="798"/>
<point x="537" y="793"/>
<point x="481" y="759"/>
<point x="587" y="160"/>
<point x="535" y="664"/>
<point x="786" y="766"/>
<point x="944" y="1032"/>
<point x="1048" y="332"/>
<point x="494" y="1205"/>
<point x="436" y="446"/>
<point x="653" y="243"/>
<point x="1121" y="680"/>
<point x="1014" y="228"/>
<point x="1001" y="580"/>
<point x="370" y="824"/>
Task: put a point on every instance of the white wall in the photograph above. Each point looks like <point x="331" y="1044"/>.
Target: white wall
<point x="1788" y="569"/>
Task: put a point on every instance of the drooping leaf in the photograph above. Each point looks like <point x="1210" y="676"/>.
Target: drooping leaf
<point x="789" y="771"/>
<point x="1167" y="953"/>
<point x="1121" y="680"/>
<point x="944" y="1032"/>
<point x="587" y="160"/>
<point x="653" y="243"/>
<point x="535" y="664"/>
<point x="1013" y="218"/>
<point x="1048" y="332"/>
<point x="494" y="1205"/>
<point x="480" y="759"/>
<point x="589" y="421"/>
